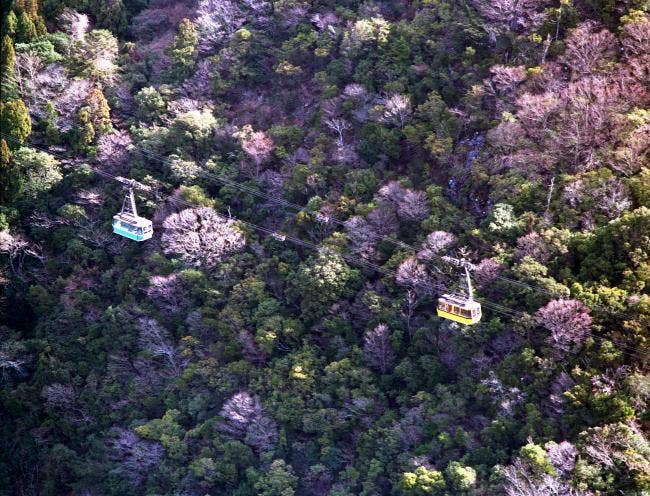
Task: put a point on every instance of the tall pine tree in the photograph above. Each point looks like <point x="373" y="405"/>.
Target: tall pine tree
<point x="15" y="122"/>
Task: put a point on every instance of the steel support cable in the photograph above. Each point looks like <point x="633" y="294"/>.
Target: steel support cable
<point x="334" y="220"/>
<point x="488" y="304"/>
<point x="630" y="351"/>
<point x="281" y="201"/>
<point x="626" y="350"/>
<point x="387" y="239"/>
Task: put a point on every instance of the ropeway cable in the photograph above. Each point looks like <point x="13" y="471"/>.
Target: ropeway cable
<point x="355" y="260"/>
<point x="400" y="244"/>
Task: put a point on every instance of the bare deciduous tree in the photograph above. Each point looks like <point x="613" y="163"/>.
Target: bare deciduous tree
<point x="250" y="349"/>
<point x="13" y="356"/>
<point x="504" y="16"/>
<point x="397" y="110"/>
<point x="136" y="457"/>
<point x="257" y="145"/>
<point x="154" y="339"/>
<point x="64" y="399"/>
<point x="414" y="275"/>
<point x="414" y="206"/>
<point x="521" y="480"/>
<point x="338" y="125"/>
<point x="587" y="50"/>
<point x="363" y="238"/>
<point x="568" y="322"/>
<point x="506" y="79"/>
<point x="383" y="220"/>
<point x="244" y="419"/>
<point x="113" y="149"/>
<point x="168" y="293"/>
<point x="562" y="456"/>
<point x="436" y="243"/>
<point x="532" y="245"/>
<point x="18" y="250"/>
<point x="27" y="65"/>
<point x="201" y="237"/>
<point x="74" y="23"/>
<point x="377" y="348"/>
<point x="556" y="398"/>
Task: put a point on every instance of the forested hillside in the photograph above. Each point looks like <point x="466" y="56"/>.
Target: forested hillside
<point x="306" y="166"/>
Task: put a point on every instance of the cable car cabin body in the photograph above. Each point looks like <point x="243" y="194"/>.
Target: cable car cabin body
<point x="459" y="309"/>
<point x="128" y="223"/>
<point x="132" y="227"/>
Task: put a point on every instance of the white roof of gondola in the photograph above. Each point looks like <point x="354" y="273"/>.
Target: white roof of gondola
<point x="458" y="300"/>
<point x="131" y="219"/>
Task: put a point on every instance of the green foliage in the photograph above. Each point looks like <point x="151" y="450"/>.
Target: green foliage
<point x="168" y="431"/>
<point x="279" y="480"/>
<point x="15" y="122"/>
<point x="537" y="458"/>
<point x="8" y="176"/>
<point x="9" y="25"/>
<point x="84" y="133"/>
<point x="321" y="281"/>
<point x="100" y="112"/>
<point x="361" y="184"/>
<point x="39" y="171"/>
<point x="94" y="56"/>
<point x="379" y="144"/>
<point x="25" y="28"/>
<point x="422" y="482"/>
<point x="150" y="103"/>
<point x="7" y="60"/>
<point x="193" y="132"/>
<point x="50" y="129"/>
<point x="502" y="221"/>
<point x="460" y="477"/>
<point x="183" y="50"/>
<point x="43" y="48"/>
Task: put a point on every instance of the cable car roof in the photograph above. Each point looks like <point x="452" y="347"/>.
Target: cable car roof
<point x="457" y="300"/>
<point x="133" y="220"/>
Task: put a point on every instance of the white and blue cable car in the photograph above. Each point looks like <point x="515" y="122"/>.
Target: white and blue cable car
<point x="128" y="223"/>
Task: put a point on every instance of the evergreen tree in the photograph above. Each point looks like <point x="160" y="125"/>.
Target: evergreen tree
<point x="183" y="50"/>
<point x="5" y="153"/>
<point x="26" y="30"/>
<point x="39" y="24"/>
<point x="15" y="122"/>
<point x="100" y="112"/>
<point x="84" y="134"/>
<point x="8" y="56"/>
<point x="29" y="7"/>
<point x="7" y="61"/>
<point x="8" y="178"/>
<point x="50" y="128"/>
<point x="10" y="24"/>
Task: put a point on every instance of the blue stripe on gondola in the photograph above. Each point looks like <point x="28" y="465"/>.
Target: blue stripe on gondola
<point x="127" y="234"/>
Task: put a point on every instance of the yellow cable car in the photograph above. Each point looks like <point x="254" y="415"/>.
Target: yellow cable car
<point x="459" y="308"/>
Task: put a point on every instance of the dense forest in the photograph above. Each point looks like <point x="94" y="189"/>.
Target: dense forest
<point x="307" y="165"/>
